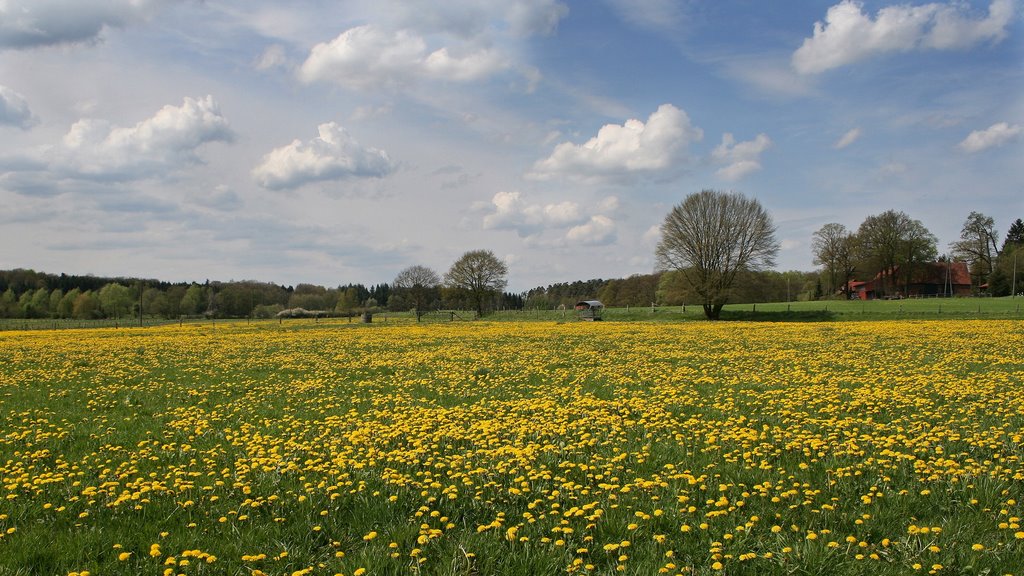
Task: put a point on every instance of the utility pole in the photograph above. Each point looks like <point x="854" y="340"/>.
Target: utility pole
<point x="140" y="303"/>
<point x="1013" y="283"/>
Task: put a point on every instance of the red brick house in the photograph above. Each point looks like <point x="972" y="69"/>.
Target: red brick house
<point x="928" y="279"/>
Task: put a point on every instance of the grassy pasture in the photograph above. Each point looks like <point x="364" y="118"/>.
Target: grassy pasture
<point x="815" y="311"/>
<point x="514" y="448"/>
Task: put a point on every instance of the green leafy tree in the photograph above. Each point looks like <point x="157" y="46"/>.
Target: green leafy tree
<point x="154" y="302"/>
<point x="40" y="303"/>
<point x="9" y="304"/>
<point x="55" y="298"/>
<point x="174" y="294"/>
<point x="194" y="301"/>
<point x="86" y="306"/>
<point x="712" y="236"/>
<point x="674" y="290"/>
<point x="309" y="296"/>
<point x="636" y="290"/>
<point x="348" y="301"/>
<point x="1008" y="275"/>
<point x="25" y="305"/>
<point x="67" y="303"/>
<point x="116" y="300"/>
<point x="1015" y="235"/>
<point x="894" y="245"/>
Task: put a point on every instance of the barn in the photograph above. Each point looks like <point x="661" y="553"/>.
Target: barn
<point x="930" y="279"/>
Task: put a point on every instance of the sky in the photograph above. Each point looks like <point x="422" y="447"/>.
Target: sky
<point x="335" y="142"/>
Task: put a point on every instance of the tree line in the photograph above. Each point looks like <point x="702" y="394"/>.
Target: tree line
<point x="893" y="247"/>
<point x="475" y="282"/>
<point x="718" y="244"/>
<point x="716" y="247"/>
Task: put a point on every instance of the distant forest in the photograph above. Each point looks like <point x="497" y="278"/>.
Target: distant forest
<point x="30" y="294"/>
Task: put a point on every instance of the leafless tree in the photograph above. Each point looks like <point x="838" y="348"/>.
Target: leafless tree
<point x="479" y="273"/>
<point x="978" y="246"/>
<point x="710" y="237"/>
<point x="417" y="282"/>
<point x="834" y="247"/>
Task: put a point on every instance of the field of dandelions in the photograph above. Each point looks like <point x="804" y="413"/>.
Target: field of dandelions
<point x="514" y="448"/>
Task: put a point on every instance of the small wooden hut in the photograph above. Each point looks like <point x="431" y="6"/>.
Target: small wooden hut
<point x="589" y="310"/>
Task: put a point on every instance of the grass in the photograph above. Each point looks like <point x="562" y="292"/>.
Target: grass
<point x="815" y="311"/>
<point x="837" y="310"/>
<point x="477" y="448"/>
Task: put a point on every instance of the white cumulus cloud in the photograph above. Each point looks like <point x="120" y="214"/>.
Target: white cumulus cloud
<point x="510" y="211"/>
<point x="333" y="155"/>
<point x="632" y="148"/>
<point x="575" y="223"/>
<point x="849" y="138"/>
<point x="653" y="235"/>
<point x="370" y="57"/>
<point x="740" y="158"/>
<point x="30" y="23"/>
<point x="995" y="135"/>
<point x="14" y="110"/>
<point x="849" y="35"/>
<point x="599" y="231"/>
<point x="158" y="145"/>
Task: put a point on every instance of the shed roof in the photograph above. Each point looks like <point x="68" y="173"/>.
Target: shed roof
<point x="589" y="304"/>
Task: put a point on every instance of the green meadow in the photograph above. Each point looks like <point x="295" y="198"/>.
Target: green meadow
<point x="472" y="448"/>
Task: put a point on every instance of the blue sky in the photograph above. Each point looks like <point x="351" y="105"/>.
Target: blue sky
<point x="341" y="141"/>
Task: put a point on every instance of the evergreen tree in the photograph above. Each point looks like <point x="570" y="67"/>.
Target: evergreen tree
<point x="1015" y="235"/>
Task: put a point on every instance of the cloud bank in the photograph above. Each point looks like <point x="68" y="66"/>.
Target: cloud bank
<point x="849" y="35"/>
<point x="368" y="57"/>
<point x="33" y="23"/>
<point x="582" y="224"/>
<point x="14" y="110"/>
<point x="155" y="146"/>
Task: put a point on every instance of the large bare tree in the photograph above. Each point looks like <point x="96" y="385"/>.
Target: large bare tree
<point x="418" y="283"/>
<point x="710" y="237"/>
<point x="833" y="246"/>
<point x="978" y="246"/>
<point x="480" y="274"/>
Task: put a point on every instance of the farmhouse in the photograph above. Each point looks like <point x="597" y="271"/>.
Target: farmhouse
<point x="926" y="280"/>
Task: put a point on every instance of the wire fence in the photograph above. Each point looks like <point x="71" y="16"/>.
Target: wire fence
<point x="834" y="310"/>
